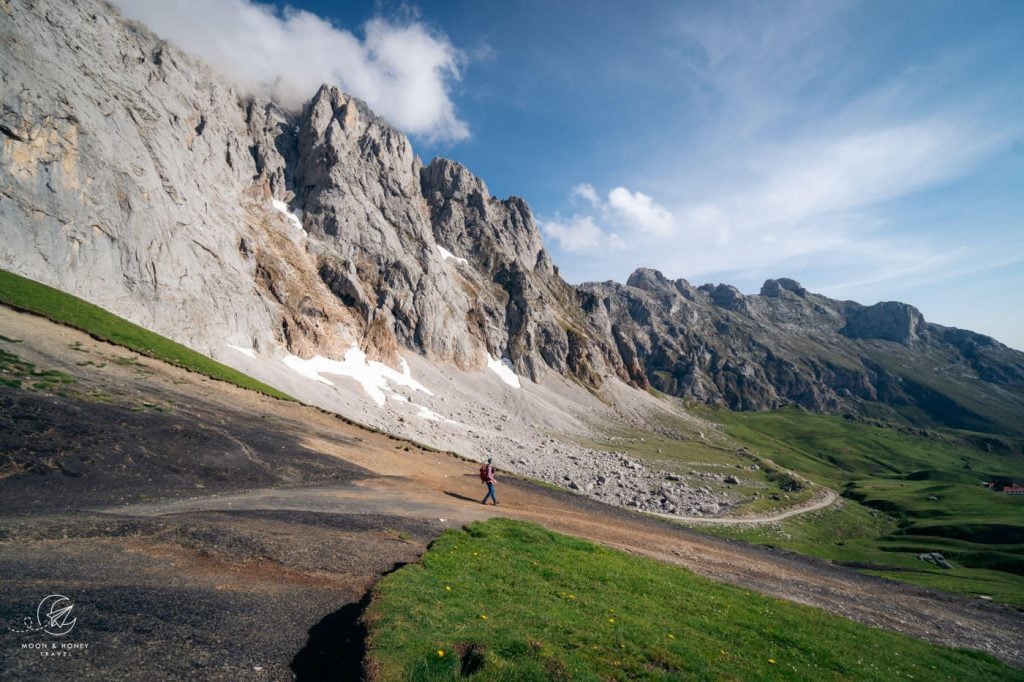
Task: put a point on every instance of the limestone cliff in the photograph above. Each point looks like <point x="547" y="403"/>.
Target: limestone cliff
<point x="137" y="178"/>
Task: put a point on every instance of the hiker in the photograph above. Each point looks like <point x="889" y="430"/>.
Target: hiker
<point x="487" y="476"/>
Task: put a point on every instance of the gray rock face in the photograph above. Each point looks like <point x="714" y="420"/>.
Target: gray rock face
<point x="520" y="307"/>
<point x="100" y="192"/>
<point x="136" y="178"/>
<point x="889" y="321"/>
<point x="728" y="297"/>
<point x="652" y="281"/>
<point x="468" y="220"/>
<point x="774" y="288"/>
<point x="356" y="181"/>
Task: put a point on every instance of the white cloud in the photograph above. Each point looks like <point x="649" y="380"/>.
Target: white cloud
<point x="815" y="200"/>
<point x="580" y="234"/>
<point x="402" y="70"/>
<point x="624" y="210"/>
<point x="641" y="212"/>
<point x="865" y="167"/>
<point x="586" y="191"/>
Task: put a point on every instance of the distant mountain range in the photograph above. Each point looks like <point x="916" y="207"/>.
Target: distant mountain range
<point x="136" y="177"/>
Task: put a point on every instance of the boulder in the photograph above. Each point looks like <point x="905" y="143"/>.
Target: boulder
<point x="935" y="558"/>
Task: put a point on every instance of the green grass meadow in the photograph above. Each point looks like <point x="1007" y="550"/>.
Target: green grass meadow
<point x="25" y="294"/>
<point x="904" y="494"/>
<point x="507" y="600"/>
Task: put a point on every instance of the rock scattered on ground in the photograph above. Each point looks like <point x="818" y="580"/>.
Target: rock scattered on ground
<point x="935" y="558"/>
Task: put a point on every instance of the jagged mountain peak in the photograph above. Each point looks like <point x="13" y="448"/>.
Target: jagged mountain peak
<point x="654" y="282"/>
<point x="773" y="288"/>
<point x="649" y="279"/>
<point x="478" y="226"/>
<point x="454" y="180"/>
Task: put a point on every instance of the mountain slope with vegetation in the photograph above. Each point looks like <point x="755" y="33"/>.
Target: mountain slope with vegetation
<point x="907" y="492"/>
<point x="24" y="294"/>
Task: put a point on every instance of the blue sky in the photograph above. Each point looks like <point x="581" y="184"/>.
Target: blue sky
<point x="871" y="150"/>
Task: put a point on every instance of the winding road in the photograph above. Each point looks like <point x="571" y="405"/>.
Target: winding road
<point x="823" y="499"/>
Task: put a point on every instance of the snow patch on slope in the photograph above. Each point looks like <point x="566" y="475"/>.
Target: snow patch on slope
<point x="425" y="412"/>
<point x="446" y="254"/>
<point x="428" y="414"/>
<point x="373" y="376"/>
<point x="293" y="218"/>
<point x="244" y="351"/>
<point x="504" y="369"/>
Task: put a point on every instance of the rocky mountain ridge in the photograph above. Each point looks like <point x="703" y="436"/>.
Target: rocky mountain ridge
<point x="787" y="345"/>
<point x="136" y="177"/>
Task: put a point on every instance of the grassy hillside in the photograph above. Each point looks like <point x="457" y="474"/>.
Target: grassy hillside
<point x="24" y="294"/>
<point x="943" y="397"/>
<point x="905" y="493"/>
<point x="507" y="600"/>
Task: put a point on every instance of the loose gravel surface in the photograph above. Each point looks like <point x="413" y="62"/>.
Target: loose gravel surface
<point x="206" y="531"/>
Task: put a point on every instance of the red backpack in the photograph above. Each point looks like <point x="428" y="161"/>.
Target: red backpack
<point x="483" y="473"/>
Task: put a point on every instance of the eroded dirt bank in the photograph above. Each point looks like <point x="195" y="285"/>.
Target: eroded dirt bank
<point x="204" y="530"/>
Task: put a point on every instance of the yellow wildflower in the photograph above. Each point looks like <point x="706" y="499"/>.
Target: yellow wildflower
<point x="483" y="616"/>
<point x="440" y="653"/>
<point x="772" y="661"/>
